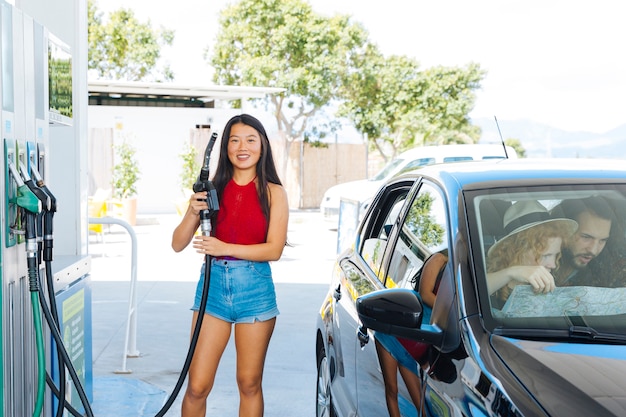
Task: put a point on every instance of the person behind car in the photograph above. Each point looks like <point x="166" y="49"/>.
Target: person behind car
<point x="397" y="354"/>
<point x="595" y="218"/>
<point x="528" y="253"/>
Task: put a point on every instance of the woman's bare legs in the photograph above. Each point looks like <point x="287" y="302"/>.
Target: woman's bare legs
<point x="389" y="366"/>
<point x="252" y="341"/>
<point x="212" y="341"/>
<point x="414" y="386"/>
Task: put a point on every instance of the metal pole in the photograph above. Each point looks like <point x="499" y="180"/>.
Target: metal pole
<point x="130" y="342"/>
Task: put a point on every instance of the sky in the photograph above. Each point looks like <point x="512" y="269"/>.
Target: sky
<point x="556" y="62"/>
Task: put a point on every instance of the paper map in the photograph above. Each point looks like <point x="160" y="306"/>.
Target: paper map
<point x="565" y="301"/>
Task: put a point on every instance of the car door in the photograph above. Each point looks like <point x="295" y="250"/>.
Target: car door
<point x="359" y="275"/>
<point x="421" y="231"/>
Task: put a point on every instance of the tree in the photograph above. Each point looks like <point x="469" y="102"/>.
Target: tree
<point x="283" y="43"/>
<point x="517" y="145"/>
<point x="190" y="167"/>
<point x="126" y="171"/>
<point x="124" y="48"/>
<point x="399" y="106"/>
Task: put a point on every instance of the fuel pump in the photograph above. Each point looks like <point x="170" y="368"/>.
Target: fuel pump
<point x="45" y="200"/>
<point x="29" y="202"/>
<point x="31" y="198"/>
<point x="45" y="244"/>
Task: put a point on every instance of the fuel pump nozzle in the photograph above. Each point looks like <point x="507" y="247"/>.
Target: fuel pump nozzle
<point x="52" y="206"/>
<point x="32" y="207"/>
<point x="26" y="199"/>
<point x="46" y="201"/>
<point x="48" y="213"/>
<point x="204" y="184"/>
<point x="48" y="204"/>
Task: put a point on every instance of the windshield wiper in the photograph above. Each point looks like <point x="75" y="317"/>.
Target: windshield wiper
<point x="531" y="332"/>
<point x="589" y="333"/>
<point x="574" y="332"/>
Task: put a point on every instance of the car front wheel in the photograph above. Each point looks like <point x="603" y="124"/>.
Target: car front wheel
<point x="324" y="403"/>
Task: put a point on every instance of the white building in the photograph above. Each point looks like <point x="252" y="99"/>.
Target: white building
<point x="158" y="119"/>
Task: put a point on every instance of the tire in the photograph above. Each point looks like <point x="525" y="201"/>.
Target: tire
<point x="323" y="402"/>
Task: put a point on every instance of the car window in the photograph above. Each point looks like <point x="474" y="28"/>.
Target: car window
<point x="422" y="233"/>
<point x="387" y="170"/>
<point x="457" y="158"/>
<point x="550" y="257"/>
<point x="375" y="237"/>
<point x="421" y="162"/>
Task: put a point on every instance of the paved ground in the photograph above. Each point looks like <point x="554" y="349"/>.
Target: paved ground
<point x="165" y="287"/>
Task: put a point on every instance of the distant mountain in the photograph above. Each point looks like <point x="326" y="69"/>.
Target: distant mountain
<point x="541" y="140"/>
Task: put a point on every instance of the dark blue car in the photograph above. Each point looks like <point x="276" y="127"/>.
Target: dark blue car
<point x="517" y="328"/>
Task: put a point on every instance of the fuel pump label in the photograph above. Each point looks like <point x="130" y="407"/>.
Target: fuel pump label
<point x="74" y="330"/>
<point x="74" y="306"/>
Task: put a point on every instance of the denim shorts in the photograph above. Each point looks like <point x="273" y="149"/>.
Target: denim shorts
<point x="239" y="291"/>
<point x="399" y="353"/>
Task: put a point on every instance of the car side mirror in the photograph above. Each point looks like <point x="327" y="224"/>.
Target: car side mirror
<point x="397" y="312"/>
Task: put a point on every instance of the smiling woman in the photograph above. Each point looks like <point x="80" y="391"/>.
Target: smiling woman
<point x="249" y="230"/>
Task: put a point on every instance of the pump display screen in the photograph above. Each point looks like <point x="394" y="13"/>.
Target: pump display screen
<point x="59" y="82"/>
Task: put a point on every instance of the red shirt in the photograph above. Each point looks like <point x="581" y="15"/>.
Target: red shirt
<point x="240" y="218"/>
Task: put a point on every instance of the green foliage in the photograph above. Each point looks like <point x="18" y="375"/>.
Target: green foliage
<point x="322" y="60"/>
<point x="190" y="167"/>
<point x="400" y="106"/>
<point x="421" y="222"/>
<point x="283" y="43"/>
<point x="125" y="171"/>
<point x="517" y="145"/>
<point x="123" y="48"/>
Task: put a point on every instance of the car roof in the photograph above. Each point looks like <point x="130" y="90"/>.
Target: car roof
<point x="494" y="173"/>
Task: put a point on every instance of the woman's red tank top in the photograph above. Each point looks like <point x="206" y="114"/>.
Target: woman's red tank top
<point x="240" y="218"/>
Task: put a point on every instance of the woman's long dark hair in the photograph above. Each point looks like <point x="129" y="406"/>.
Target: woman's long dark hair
<point x="265" y="168"/>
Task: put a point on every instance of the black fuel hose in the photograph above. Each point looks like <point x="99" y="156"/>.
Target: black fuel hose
<point x="66" y="361"/>
<point x="56" y="334"/>
<point x="194" y="338"/>
<point x="53" y="320"/>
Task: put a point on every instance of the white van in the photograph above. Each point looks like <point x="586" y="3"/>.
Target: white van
<point x="364" y="190"/>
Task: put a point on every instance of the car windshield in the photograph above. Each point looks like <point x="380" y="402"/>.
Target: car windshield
<point x="550" y="257"/>
<point x="387" y="170"/>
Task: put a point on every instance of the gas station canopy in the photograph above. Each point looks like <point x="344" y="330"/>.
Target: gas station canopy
<point x="132" y="93"/>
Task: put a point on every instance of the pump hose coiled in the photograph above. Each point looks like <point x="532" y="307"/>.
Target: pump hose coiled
<point x="58" y="393"/>
<point x="41" y="357"/>
<point x="56" y="334"/>
<point x="33" y="286"/>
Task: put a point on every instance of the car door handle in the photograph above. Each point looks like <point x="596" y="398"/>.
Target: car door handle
<point x="364" y="338"/>
<point x="337" y="293"/>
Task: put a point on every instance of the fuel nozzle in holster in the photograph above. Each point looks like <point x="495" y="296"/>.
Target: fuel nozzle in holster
<point x="204" y="184"/>
<point x="49" y="209"/>
<point x="29" y="198"/>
